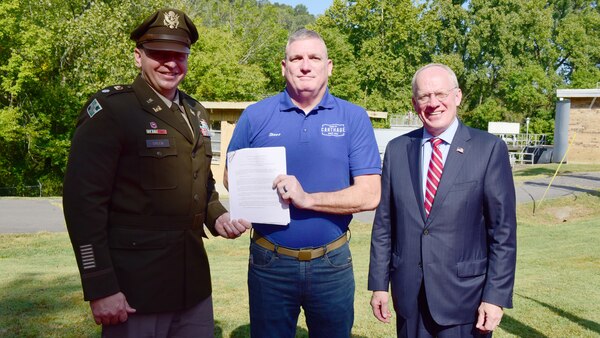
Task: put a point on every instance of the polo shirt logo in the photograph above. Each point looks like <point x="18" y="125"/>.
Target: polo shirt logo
<point x="335" y="130"/>
<point x="274" y="134"/>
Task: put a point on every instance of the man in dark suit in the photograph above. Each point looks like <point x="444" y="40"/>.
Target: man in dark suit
<point x="138" y="191"/>
<point x="444" y="234"/>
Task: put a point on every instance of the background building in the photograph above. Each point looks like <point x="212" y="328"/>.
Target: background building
<point x="577" y="116"/>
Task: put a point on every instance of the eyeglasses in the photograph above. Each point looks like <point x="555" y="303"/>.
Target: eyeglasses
<point x="440" y="96"/>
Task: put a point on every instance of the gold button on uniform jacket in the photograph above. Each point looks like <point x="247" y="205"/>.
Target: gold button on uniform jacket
<point x="137" y="192"/>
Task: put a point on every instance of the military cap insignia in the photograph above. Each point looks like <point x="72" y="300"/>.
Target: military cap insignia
<point x="93" y="108"/>
<point x="171" y="20"/>
<point x="118" y="87"/>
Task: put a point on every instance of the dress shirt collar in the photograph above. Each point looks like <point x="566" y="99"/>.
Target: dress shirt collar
<point x="446" y="136"/>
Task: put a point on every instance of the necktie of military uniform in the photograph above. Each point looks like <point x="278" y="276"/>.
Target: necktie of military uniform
<point x="434" y="173"/>
<point x="182" y="116"/>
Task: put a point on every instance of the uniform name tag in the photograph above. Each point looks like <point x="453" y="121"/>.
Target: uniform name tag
<point x="159" y="143"/>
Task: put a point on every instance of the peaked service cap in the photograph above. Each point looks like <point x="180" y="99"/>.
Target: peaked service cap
<point x="166" y="29"/>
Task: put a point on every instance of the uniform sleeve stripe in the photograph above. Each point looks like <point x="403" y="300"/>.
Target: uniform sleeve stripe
<point x="88" y="260"/>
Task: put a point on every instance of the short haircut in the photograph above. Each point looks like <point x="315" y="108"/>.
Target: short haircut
<point x="450" y="72"/>
<point x="304" y="34"/>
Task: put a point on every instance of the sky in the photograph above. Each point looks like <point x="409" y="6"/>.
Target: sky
<point x="315" y="7"/>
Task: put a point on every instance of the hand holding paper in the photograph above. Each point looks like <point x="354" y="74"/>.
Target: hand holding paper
<point x="252" y="197"/>
<point x="228" y="228"/>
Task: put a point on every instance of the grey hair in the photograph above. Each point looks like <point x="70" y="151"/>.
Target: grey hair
<point x="304" y="34"/>
<point x="450" y="72"/>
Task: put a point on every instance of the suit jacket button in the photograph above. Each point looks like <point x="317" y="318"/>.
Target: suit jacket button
<point x="196" y="197"/>
<point x="195" y="174"/>
<point x="426" y="232"/>
<point x="420" y="265"/>
<point x="194" y="154"/>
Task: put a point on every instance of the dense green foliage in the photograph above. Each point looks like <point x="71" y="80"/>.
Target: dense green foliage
<point x="510" y="57"/>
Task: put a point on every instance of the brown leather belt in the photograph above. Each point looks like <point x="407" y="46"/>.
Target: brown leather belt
<point x="301" y="254"/>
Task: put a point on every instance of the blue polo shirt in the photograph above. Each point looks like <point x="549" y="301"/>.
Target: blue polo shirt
<point x="325" y="149"/>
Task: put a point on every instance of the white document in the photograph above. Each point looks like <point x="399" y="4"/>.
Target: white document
<point x="251" y="172"/>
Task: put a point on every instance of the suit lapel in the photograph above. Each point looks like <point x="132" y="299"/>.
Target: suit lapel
<point x="155" y="106"/>
<point x="414" y="161"/>
<point x="456" y="158"/>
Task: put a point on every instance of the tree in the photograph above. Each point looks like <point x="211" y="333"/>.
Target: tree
<point x="56" y="53"/>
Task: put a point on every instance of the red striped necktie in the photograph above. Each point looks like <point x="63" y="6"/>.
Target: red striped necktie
<point x="434" y="173"/>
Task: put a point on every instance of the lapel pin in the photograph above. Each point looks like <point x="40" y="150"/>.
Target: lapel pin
<point x="460" y="150"/>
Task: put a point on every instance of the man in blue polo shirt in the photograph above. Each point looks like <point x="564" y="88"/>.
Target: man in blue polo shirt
<point x="334" y="171"/>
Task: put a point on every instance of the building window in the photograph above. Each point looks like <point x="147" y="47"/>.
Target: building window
<point x="215" y="132"/>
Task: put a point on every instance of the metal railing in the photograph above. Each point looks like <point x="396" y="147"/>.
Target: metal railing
<point x="518" y="145"/>
<point x="409" y="119"/>
<point x="520" y="141"/>
<point x="23" y="191"/>
<point x="521" y="158"/>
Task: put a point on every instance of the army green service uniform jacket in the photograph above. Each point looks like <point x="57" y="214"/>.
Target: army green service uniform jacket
<point x="137" y="191"/>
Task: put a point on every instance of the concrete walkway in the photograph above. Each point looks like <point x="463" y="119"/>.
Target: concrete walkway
<point x="28" y="215"/>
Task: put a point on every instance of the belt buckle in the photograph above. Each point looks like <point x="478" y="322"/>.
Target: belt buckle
<point x="304" y="255"/>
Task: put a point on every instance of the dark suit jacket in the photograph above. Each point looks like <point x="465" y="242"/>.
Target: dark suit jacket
<point x="137" y="191"/>
<point x="465" y="252"/>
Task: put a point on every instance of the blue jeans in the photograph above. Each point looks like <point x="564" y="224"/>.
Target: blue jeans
<point x="279" y="286"/>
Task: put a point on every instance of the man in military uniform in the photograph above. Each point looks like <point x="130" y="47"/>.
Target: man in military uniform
<point x="138" y="190"/>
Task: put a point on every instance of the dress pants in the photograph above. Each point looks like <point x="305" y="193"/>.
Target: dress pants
<point x="197" y="321"/>
<point x="422" y="325"/>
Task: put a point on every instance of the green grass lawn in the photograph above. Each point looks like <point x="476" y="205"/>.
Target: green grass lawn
<point x="528" y="172"/>
<point x="556" y="295"/>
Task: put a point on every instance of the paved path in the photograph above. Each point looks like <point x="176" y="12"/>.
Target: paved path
<point x="26" y="215"/>
<point x="31" y="214"/>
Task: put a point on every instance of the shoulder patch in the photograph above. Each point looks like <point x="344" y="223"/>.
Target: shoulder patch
<point x="93" y="108"/>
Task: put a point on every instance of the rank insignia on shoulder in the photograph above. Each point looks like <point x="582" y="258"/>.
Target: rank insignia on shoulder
<point x="93" y="108"/>
<point x="204" y="128"/>
<point x="156" y="131"/>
